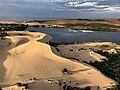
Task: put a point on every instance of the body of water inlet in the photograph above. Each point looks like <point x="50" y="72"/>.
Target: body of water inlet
<point x="68" y="35"/>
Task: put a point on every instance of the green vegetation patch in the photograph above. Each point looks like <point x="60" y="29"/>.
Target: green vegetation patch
<point x="110" y="67"/>
<point x="93" y="26"/>
<point x="11" y="27"/>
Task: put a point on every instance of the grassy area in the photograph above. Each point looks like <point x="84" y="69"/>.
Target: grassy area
<point x="93" y="26"/>
<point x="10" y="27"/>
<point x="82" y="24"/>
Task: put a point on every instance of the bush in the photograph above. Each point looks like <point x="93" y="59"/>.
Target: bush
<point x="1" y="88"/>
<point x="65" y="70"/>
<point x="18" y="84"/>
<point x="25" y="85"/>
<point x="88" y="88"/>
<point x="36" y="26"/>
<point x="69" y="88"/>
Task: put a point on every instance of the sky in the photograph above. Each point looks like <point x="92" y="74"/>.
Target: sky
<point x="93" y="9"/>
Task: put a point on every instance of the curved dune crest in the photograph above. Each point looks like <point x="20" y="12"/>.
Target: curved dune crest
<point x="98" y="57"/>
<point x="34" y="59"/>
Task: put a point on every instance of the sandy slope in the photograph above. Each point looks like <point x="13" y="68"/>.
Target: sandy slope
<point x="85" y="51"/>
<point x="26" y="58"/>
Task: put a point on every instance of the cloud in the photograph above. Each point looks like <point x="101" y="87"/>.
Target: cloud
<point x="77" y="4"/>
<point x="91" y="5"/>
<point x="112" y="9"/>
<point x="61" y="8"/>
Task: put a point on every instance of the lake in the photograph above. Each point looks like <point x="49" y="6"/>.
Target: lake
<point x="68" y="35"/>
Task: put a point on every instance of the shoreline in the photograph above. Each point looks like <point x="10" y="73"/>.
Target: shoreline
<point x="61" y="52"/>
<point x="36" y="57"/>
<point x="84" y="25"/>
<point x="82" y="62"/>
<point x="53" y="49"/>
<point x="78" y="24"/>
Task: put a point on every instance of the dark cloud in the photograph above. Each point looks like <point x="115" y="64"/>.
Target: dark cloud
<point x="61" y="8"/>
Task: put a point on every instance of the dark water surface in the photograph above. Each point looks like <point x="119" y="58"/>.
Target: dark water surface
<point x="67" y="35"/>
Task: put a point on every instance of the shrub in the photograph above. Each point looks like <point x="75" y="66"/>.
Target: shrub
<point x="65" y="70"/>
<point x="18" y="84"/>
<point x="87" y="88"/>
<point x="69" y="88"/>
<point x="25" y="85"/>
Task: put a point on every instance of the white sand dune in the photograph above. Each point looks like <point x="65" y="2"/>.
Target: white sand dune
<point x="98" y="57"/>
<point x="27" y="57"/>
<point x="86" y="51"/>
